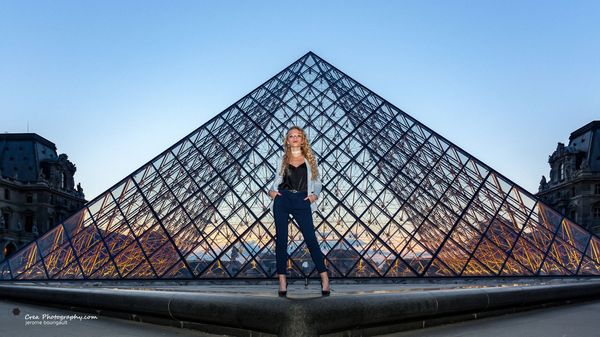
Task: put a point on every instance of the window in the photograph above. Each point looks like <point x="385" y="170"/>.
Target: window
<point x="28" y="223"/>
<point x="6" y="194"/>
<point x="561" y="172"/>
<point x="63" y="180"/>
<point x="29" y="198"/>
<point x="9" y="249"/>
<point x="6" y="217"/>
<point x="596" y="210"/>
<point x="579" y="160"/>
<point x="597" y="189"/>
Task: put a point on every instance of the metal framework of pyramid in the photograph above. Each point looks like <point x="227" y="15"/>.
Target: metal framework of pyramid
<point x="398" y="200"/>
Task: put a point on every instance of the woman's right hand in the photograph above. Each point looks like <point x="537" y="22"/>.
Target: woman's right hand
<point x="273" y="194"/>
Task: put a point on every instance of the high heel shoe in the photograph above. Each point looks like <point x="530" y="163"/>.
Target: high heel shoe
<point x="283" y="293"/>
<point x="325" y="292"/>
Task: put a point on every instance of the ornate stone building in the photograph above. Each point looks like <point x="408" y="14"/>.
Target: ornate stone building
<point x="37" y="189"/>
<point x="574" y="184"/>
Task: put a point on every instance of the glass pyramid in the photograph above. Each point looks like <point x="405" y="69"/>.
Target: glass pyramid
<point x="398" y="200"/>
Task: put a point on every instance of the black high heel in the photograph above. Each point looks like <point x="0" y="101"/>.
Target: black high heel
<point x="325" y="292"/>
<point x="283" y="293"/>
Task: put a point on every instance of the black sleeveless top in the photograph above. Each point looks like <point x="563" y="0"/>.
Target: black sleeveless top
<point x="295" y="178"/>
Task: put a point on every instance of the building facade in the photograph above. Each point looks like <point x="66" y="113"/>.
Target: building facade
<point x="574" y="184"/>
<point x="37" y="189"/>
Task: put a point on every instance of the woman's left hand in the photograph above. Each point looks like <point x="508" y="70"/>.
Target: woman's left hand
<point x="311" y="198"/>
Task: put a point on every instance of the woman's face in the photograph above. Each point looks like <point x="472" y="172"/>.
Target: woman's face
<point x="294" y="138"/>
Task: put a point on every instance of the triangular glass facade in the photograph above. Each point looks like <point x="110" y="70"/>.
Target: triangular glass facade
<point x="398" y="200"/>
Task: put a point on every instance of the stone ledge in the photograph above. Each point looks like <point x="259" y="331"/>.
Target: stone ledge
<point x="266" y="315"/>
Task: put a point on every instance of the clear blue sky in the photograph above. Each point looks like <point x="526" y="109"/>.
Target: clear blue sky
<point x="114" y="83"/>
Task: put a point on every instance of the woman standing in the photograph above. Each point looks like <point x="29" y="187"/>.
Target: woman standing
<point x="294" y="192"/>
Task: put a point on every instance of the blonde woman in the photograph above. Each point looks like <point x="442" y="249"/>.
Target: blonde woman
<point x="294" y="192"/>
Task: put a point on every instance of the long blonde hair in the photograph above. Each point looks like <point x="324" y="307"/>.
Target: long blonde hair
<point x="306" y="152"/>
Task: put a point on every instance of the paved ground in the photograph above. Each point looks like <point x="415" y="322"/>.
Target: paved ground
<point x="25" y="324"/>
<point x="312" y="288"/>
<point x="575" y="320"/>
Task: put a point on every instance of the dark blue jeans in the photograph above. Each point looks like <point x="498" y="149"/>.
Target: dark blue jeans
<point x="284" y="205"/>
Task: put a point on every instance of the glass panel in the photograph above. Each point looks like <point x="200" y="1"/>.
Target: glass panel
<point x="200" y="258"/>
<point x="379" y="256"/>
<point x="108" y="271"/>
<point x="514" y="268"/>
<point x="416" y="256"/>
<point x="537" y="235"/>
<point x="566" y="255"/>
<point x="593" y="250"/>
<point x="142" y="271"/>
<point x="4" y="271"/>
<point x="129" y="258"/>
<point x="589" y="267"/>
<point x="93" y="259"/>
<point x="24" y="259"/>
<point x="187" y="238"/>
<point x="164" y="258"/>
<point x="51" y="240"/>
<point x="85" y="239"/>
<point x="490" y="255"/>
<point x="153" y="239"/>
<point x="526" y="254"/>
<point x="119" y="239"/>
<point x="252" y="269"/>
<point x="400" y="269"/>
<point x="453" y="256"/>
<point x="59" y="258"/>
<point x="551" y="267"/>
<point x="178" y="271"/>
<point x="501" y="235"/>
<point x="474" y="268"/>
<point x="438" y="268"/>
<point x="549" y="218"/>
<point x="71" y="272"/>
<point x="215" y="270"/>
<point x="573" y="234"/>
<point x="35" y="272"/>
<point x="465" y="236"/>
<point x="363" y="269"/>
<point x="78" y="221"/>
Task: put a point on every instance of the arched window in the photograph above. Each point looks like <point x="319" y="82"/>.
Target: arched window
<point x="9" y="249"/>
<point x="561" y="172"/>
